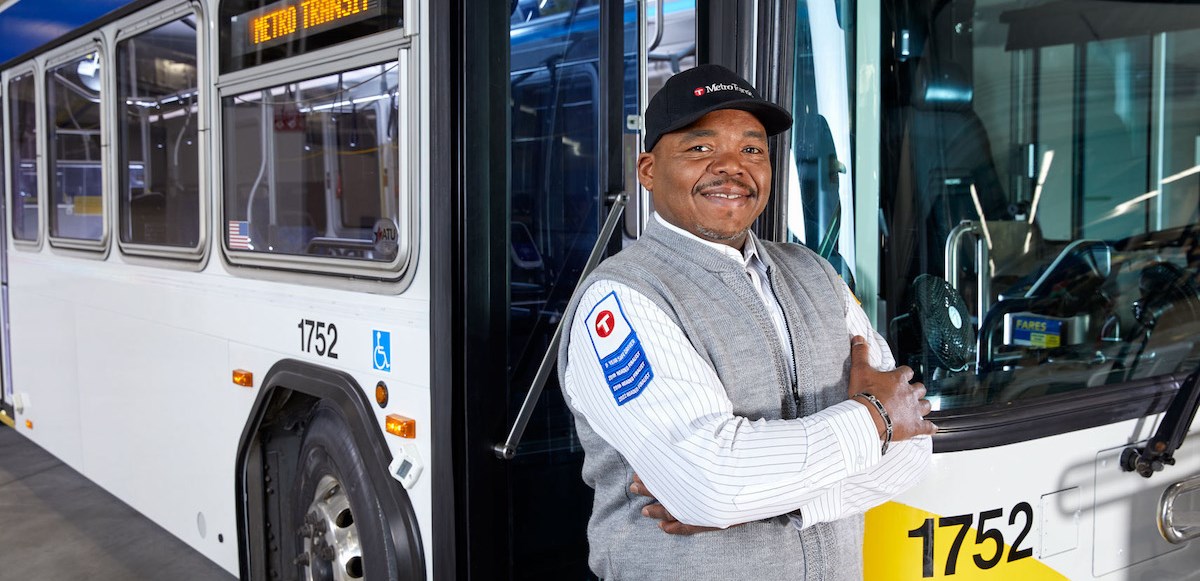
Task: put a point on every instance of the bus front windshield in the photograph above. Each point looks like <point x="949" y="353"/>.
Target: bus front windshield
<point x="1041" y="188"/>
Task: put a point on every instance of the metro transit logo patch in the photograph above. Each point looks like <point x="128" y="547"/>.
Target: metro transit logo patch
<point x="620" y="352"/>
<point x="604" y="323"/>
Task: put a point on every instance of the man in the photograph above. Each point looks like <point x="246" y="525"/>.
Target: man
<point x="720" y="369"/>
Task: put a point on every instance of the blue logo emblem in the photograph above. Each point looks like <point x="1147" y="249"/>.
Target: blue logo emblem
<point x="619" y="350"/>
<point x="383" y="351"/>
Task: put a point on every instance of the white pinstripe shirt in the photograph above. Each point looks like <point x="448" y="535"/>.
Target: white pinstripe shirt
<point x="709" y="467"/>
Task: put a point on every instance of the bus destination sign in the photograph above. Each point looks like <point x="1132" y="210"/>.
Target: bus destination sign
<point x="289" y="20"/>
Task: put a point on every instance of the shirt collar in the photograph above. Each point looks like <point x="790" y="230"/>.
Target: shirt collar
<point x="749" y="255"/>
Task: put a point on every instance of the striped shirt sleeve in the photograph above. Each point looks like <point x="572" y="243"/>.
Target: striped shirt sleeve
<point x="904" y="465"/>
<point x="674" y="423"/>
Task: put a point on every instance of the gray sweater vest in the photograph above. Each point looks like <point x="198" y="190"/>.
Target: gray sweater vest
<point x="712" y="300"/>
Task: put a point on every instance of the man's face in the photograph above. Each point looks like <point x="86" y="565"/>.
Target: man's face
<point x="711" y="178"/>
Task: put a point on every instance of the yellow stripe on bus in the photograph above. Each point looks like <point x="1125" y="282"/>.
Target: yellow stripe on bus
<point x="893" y="550"/>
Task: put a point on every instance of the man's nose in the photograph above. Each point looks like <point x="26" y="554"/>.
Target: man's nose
<point x="727" y="163"/>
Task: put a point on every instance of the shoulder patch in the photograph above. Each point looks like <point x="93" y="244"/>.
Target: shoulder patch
<point x="622" y="359"/>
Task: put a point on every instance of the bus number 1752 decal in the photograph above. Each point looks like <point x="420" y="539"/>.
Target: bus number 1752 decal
<point x="318" y="337"/>
<point x="991" y="539"/>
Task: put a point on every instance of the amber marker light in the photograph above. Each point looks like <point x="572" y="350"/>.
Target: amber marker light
<point x="29" y="424"/>
<point x="398" y="425"/>
<point x="243" y="378"/>
<point x="382" y="394"/>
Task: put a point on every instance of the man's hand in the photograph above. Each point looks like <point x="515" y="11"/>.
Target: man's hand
<point x="904" y="402"/>
<point x="657" y="511"/>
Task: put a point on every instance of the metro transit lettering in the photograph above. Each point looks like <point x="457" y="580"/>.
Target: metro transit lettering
<point x="273" y="25"/>
<point x="318" y="12"/>
<point x="308" y="16"/>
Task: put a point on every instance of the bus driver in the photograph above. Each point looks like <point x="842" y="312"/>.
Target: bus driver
<point x="729" y="372"/>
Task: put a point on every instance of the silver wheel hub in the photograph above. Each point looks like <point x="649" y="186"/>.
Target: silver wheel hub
<point x="331" y="545"/>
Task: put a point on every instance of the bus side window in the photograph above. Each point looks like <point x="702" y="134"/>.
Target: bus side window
<point x="311" y="167"/>
<point x="158" y="127"/>
<point x="73" y="101"/>
<point x="22" y="149"/>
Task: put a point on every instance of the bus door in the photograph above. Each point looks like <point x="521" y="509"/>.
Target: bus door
<point x="575" y="89"/>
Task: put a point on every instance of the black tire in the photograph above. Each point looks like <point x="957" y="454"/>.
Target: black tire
<point x="345" y="535"/>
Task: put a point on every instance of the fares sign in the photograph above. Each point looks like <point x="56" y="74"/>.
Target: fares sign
<point x="289" y="20"/>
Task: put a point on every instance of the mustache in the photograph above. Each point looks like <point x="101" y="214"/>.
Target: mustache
<point x="718" y="182"/>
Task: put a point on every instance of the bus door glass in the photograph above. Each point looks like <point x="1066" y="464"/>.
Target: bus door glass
<point x="819" y="181"/>
<point x="668" y="47"/>
<point x="574" y="144"/>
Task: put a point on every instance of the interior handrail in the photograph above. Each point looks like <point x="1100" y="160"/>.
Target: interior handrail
<point x="507" y="449"/>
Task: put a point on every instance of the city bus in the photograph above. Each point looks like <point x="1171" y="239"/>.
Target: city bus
<point x="286" y="276"/>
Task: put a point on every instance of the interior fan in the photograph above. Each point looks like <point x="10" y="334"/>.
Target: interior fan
<point x="1166" y="287"/>
<point x="943" y="322"/>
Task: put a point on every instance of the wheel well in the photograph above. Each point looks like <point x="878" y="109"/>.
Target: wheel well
<point x="267" y="464"/>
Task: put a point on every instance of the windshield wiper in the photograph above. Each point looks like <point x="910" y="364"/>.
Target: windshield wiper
<point x="1160" y="450"/>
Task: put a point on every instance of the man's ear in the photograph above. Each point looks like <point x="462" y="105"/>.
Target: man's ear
<point x="645" y="170"/>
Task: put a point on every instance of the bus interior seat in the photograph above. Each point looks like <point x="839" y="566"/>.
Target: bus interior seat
<point x="145" y="209"/>
<point x="1017" y="248"/>
<point x="528" y="275"/>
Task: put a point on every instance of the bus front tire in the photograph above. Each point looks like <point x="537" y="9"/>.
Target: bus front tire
<point x="341" y="533"/>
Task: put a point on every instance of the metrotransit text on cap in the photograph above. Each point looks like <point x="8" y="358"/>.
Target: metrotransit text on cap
<point x="694" y="93"/>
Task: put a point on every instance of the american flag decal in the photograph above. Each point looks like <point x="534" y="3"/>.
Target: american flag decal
<point x="239" y="235"/>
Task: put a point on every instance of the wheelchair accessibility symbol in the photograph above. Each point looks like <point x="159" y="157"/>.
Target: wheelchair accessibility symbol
<point x="383" y="351"/>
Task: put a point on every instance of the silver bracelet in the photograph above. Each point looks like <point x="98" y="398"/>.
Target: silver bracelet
<point x="887" y="420"/>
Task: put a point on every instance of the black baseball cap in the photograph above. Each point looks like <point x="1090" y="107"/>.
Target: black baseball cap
<point x="696" y="92"/>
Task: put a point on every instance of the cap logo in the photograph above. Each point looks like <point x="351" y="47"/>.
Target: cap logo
<point x="715" y="87"/>
<point x="699" y="91"/>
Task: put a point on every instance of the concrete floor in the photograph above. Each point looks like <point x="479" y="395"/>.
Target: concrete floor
<point x="55" y="524"/>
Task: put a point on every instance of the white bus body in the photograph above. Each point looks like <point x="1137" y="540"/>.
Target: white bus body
<point x="282" y="283"/>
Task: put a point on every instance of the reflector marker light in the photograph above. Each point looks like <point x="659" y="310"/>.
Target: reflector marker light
<point x="381" y="394"/>
<point x="398" y="425"/>
<point x="243" y="378"/>
<point x="29" y="424"/>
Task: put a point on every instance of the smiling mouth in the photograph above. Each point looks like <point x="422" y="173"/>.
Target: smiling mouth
<point x="729" y="189"/>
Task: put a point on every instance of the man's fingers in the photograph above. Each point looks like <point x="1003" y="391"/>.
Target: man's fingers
<point x="678" y="528"/>
<point x="657" y="511"/>
<point x="919" y="390"/>
<point x="926" y="407"/>
<point x="928" y="428"/>
<point x="906" y="373"/>
<point x="639" y="487"/>
<point x="859" y="351"/>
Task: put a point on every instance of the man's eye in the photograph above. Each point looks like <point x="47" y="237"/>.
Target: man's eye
<point x="752" y="149"/>
<point x="698" y="148"/>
